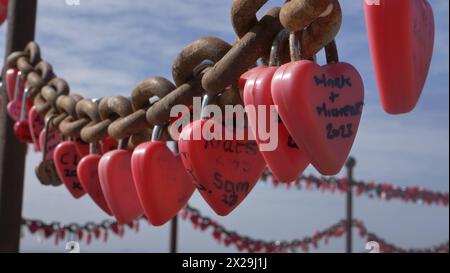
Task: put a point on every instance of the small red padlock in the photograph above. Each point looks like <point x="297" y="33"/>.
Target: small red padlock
<point x="21" y="127"/>
<point x="163" y="185"/>
<point x="66" y="158"/>
<point x="10" y="82"/>
<point x="283" y="156"/>
<point x="117" y="184"/>
<point x="88" y="174"/>
<point x="15" y="105"/>
<point x="36" y="123"/>
<point x="321" y="107"/>
<point x="224" y="171"/>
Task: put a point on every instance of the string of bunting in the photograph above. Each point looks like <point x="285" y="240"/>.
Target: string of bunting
<point x="382" y="191"/>
<point x="100" y="232"/>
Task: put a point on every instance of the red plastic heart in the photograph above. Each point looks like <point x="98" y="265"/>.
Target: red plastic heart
<point x="163" y="185"/>
<point x="118" y="186"/>
<point x="14" y="106"/>
<point x="224" y="171"/>
<point x="286" y="161"/>
<point x="36" y="123"/>
<point x="22" y="131"/>
<point x="53" y="139"/>
<point x="321" y="106"/>
<point x="10" y="82"/>
<point x="88" y="174"/>
<point x="66" y="158"/>
<point x="401" y="39"/>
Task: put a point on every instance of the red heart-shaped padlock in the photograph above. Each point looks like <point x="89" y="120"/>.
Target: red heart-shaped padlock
<point x="321" y="106"/>
<point x="118" y="186"/>
<point x="224" y="171"/>
<point x="283" y="156"/>
<point x="401" y="39"/>
<point x="66" y="158"/>
<point x="22" y="131"/>
<point x="14" y="106"/>
<point x="10" y="82"/>
<point x="88" y="174"/>
<point x="36" y="123"/>
<point x="53" y="139"/>
<point x="163" y="185"/>
<point x="13" y="109"/>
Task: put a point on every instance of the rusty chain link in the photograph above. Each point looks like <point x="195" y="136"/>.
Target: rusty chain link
<point x="38" y="77"/>
<point x="70" y="126"/>
<point x="188" y="83"/>
<point x="46" y="99"/>
<point x="154" y="87"/>
<point x="244" y="54"/>
<point x="319" y="31"/>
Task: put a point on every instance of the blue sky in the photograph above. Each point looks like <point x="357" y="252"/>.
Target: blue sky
<point x="105" y="47"/>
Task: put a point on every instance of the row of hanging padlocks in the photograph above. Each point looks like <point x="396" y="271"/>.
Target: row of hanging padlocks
<point x="319" y="107"/>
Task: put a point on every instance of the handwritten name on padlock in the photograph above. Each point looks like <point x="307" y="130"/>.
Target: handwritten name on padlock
<point x="66" y="158"/>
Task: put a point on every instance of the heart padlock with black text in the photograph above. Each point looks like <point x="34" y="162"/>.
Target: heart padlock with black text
<point x="66" y="158"/>
<point x="321" y="107"/>
<point x="224" y="167"/>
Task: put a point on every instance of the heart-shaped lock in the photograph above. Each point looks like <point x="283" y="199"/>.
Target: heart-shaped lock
<point x="66" y="158"/>
<point x="36" y="124"/>
<point x="118" y="187"/>
<point x="22" y="131"/>
<point x="401" y="39"/>
<point x="282" y="154"/>
<point x="89" y="177"/>
<point x="46" y="171"/>
<point x="10" y="82"/>
<point x="21" y="127"/>
<point x="114" y="168"/>
<point x="163" y="185"/>
<point x="321" y="107"/>
<point x="232" y="166"/>
<point x="14" y="106"/>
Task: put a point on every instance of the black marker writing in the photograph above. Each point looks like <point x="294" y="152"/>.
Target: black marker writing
<point x="338" y="82"/>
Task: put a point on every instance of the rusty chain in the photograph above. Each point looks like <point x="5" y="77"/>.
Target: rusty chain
<point x="154" y="88"/>
<point x="188" y="83"/>
<point x="317" y="23"/>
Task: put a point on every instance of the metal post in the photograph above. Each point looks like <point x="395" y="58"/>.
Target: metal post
<point x="351" y="162"/>
<point x="173" y="234"/>
<point x="21" y="29"/>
